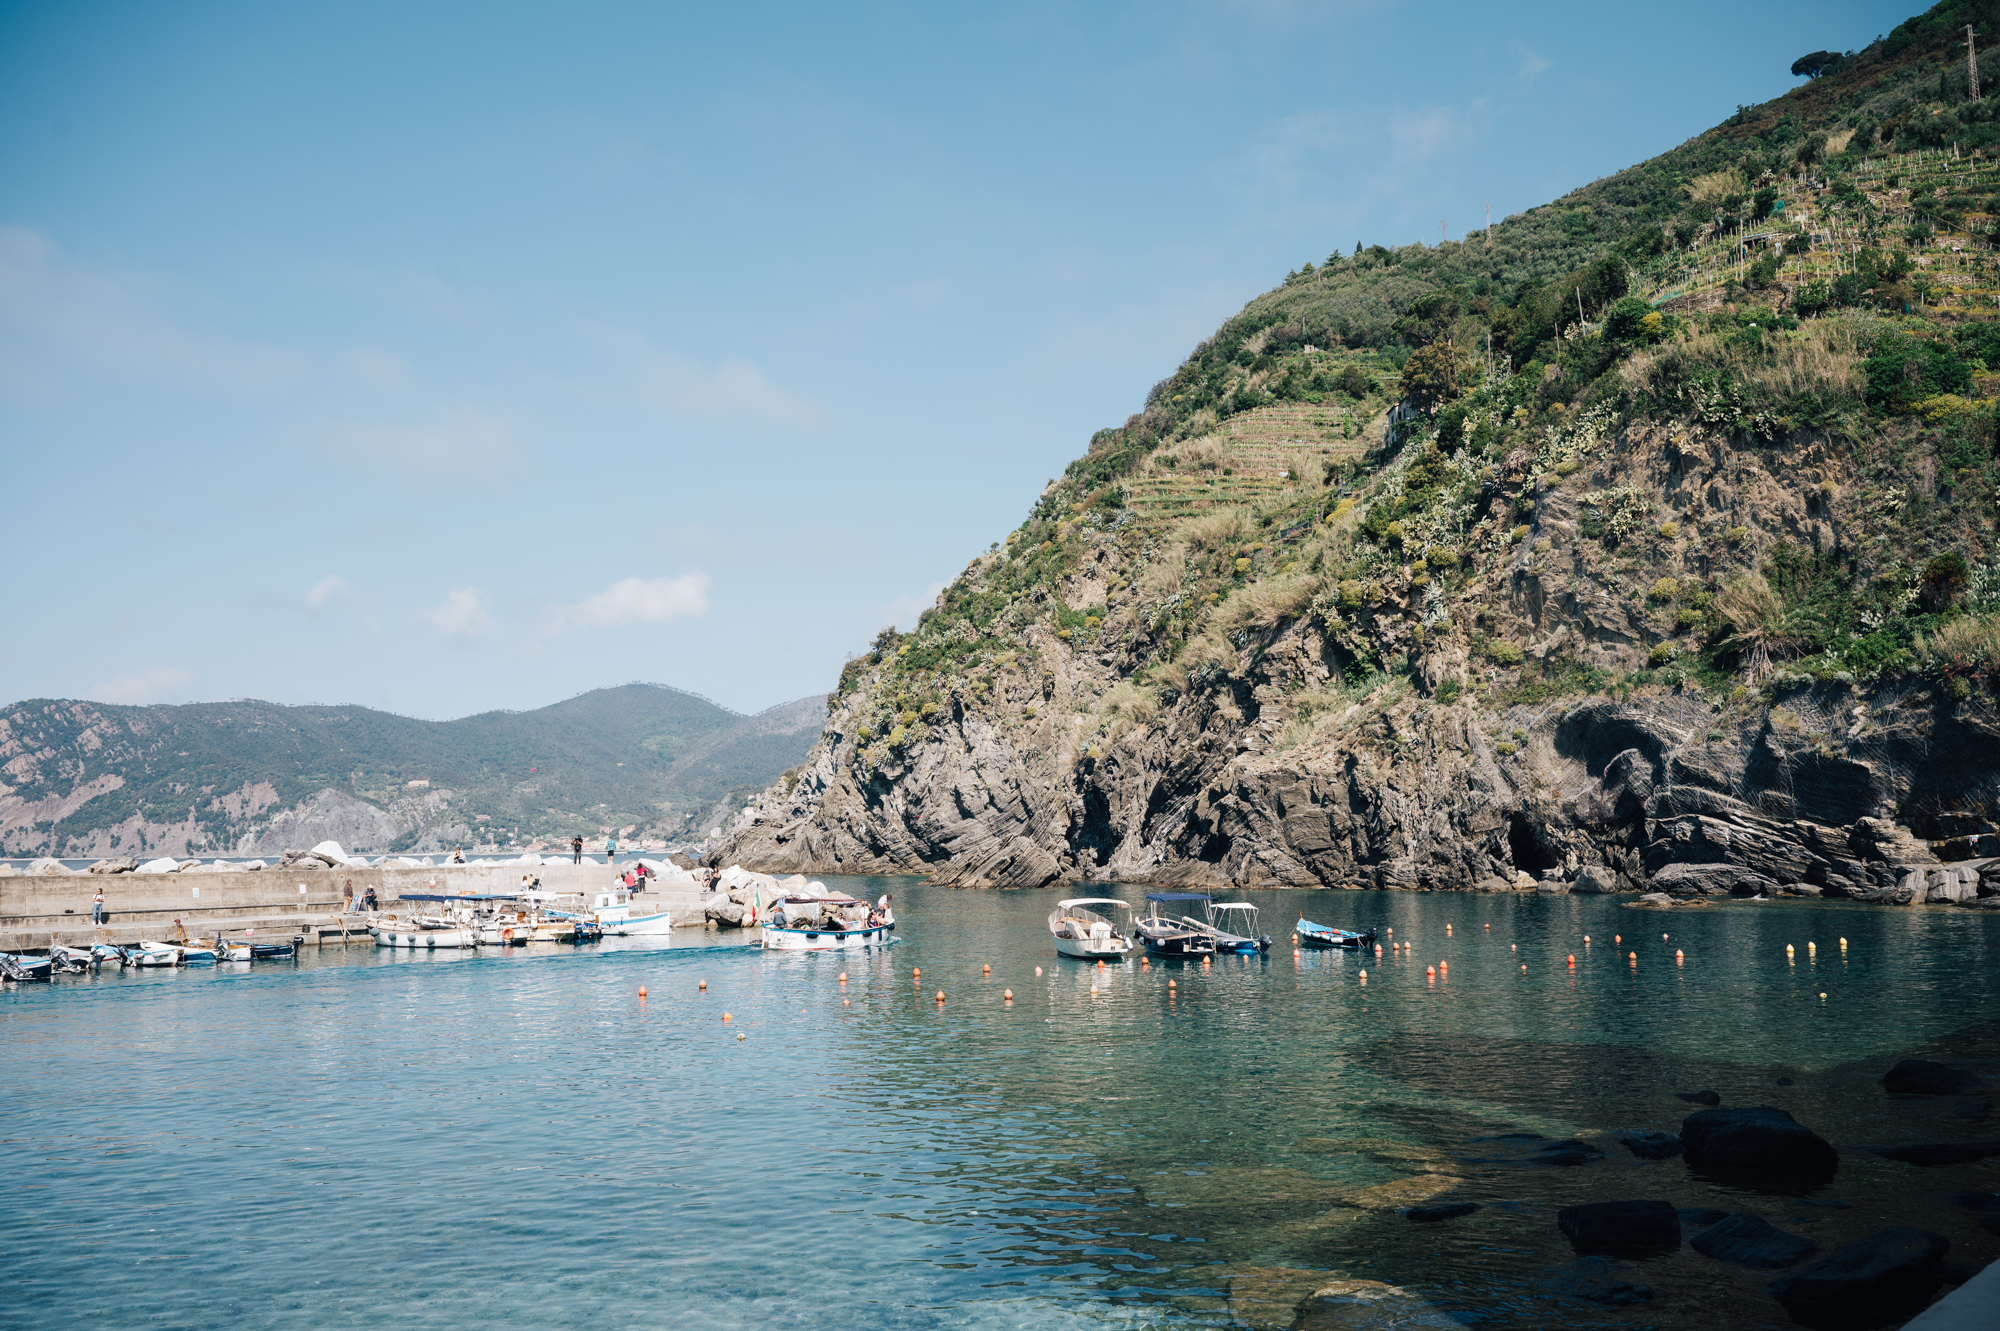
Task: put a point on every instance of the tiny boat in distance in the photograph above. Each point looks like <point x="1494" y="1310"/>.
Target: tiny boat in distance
<point x="1174" y="938"/>
<point x="1083" y="933"/>
<point x="1326" y="936"/>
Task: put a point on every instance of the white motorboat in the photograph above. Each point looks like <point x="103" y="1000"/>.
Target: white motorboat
<point x="153" y="954"/>
<point x="610" y="910"/>
<point x="821" y="924"/>
<point x="1082" y="932"/>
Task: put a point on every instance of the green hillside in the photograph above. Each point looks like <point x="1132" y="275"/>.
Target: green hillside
<point x="1821" y="262"/>
<point x="640" y="756"/>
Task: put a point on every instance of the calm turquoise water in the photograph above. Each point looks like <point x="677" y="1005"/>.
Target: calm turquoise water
<point x="508" y="1141"/>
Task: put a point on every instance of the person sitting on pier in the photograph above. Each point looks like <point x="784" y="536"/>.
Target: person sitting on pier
<point x="368" y="898"/>
<point x="458" y="855"/>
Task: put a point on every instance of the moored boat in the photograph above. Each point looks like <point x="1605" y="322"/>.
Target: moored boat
<point x="20" y="967"/>
<point x="1246" y="944"/>
<point x="819" y="924"/>
<point x="1086" y="934"/>
<point x="1181" y="937"/>
<point x="390" y="932"/>
<point x="1325" y="936"/>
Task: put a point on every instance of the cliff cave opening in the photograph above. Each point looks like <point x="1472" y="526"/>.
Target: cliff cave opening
<point x="1529" y="850"/>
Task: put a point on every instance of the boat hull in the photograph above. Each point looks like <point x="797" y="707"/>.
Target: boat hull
<point x="1324" y="938"/>
<point x="423" y="940"/>
<point x="823" y="940"/>
<point x="1093" y="949"/>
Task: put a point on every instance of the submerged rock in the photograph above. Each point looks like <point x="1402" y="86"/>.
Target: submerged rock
<point x="1931" y="1155"/>
<point x="1748" y="1241"/>
<point x="1883" y="1268"/>
<point x="1596" y="1280"/>
<point x="1701" y="1217"/>
<point x="1920" y="1076"/>
<point x="1698" y="1097"/>
<point x="1635" y="1228"/>
<point x="1653" y="1145"/>
<point x="1759" y="1143"/>
<point x="1426" y="1215"/>
<point x="1531" y="1148"/>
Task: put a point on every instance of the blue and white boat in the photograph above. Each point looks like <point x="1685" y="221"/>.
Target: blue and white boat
<point x="1324" y="936"/>
<point x="822" y="924"/>
<point x="19" y="966"/>
<point x="1247" y="944"/>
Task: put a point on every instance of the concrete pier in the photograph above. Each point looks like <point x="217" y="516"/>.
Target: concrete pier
<point x="37" y="910"/>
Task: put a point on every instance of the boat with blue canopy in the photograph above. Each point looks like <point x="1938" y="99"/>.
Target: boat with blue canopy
<point x="1183" y="937"/>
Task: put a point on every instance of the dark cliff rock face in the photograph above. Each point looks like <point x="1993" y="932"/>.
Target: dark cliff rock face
<point x="1674" y="793"/>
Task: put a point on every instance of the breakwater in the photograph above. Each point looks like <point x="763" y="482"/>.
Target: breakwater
<point x="37" y="910"/>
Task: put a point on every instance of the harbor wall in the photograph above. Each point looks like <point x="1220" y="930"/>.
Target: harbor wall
<point x="36" y="909"/>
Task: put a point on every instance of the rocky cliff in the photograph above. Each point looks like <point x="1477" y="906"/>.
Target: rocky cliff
<point x="1412" y="577"/>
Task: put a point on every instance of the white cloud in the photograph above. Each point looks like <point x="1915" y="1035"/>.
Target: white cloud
<point x="904" y="609"/>
<point x="733" y="390"/>
<point x="49" y="302"/>
<point x="636" y="601"/>
<point x="160" y="684"/>
<point x="1532" y="65"/>
<point x="377" y="369"/>
<point x="463" y="444"/>
<point x="462" y="614"/>
<point x="325" y="590"/>
<point x="1426" y="132"/>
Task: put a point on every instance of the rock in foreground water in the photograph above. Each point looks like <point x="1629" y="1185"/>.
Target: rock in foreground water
<point x="1882" y="1268"/>
<point x="1920" y="1076"/>
<point x="1759" y="1142"/>
<point x="1629" y="1229"/>
<point x="1748" y="1241"/>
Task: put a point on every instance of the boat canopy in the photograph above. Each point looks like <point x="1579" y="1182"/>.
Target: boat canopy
<point x="1092" y="901"/>
<point x="1232" y="905"/>
<point x="1177" y="896"/>
<point x="458" y="896"/>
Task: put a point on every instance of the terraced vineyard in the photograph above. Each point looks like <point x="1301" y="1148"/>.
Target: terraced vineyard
<point x="1251" y="457"/>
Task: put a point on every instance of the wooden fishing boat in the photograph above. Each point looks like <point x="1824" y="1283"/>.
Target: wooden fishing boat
<point x="1083" y="933"/>
<point x="1323" y="936"/>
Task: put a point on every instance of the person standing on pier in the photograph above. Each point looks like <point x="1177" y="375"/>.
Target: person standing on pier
<point x="576" y="848"/>
<point x="97" y="907"/>
<point x="610" y="849"/>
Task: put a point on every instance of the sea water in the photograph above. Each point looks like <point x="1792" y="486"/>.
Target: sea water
<point x="520" y="1139"/>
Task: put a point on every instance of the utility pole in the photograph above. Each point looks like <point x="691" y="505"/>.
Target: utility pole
<point x="1444" y="237"/>
<point x="1971" y="64"/>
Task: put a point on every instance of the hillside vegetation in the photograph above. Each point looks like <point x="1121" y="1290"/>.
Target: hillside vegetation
<point x="1715" y="427"/>
<point x="85" y="778"/>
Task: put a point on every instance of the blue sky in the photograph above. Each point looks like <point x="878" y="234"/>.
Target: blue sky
<point x="445" y="357"/>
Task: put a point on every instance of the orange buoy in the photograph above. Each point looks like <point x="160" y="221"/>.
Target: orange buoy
<point x="1364" y="977"/>
<point x="843" y="977"/>
<point x="916" y="971"/>
<point x="1093" y="991"/>
<point x="1009" y="995"/>
<point x="1679" y="955"/>
<point x="1038" y="970"/>
<point x="1586" y="940"/>
<point x="642" y="991"/>
<point x="1296" y="953"/>
<point x="1618" y="938"/>
<point x="1489" y="928"/>
<point x="1572" y="961"/>
<point x="1171" y="983"/>
<point x="1524" y="965"/>
<point x="1430" y="970"/>
<point x="940" y="995"/>
<point x="985" y="970"/>
<point x="1513" y="947"/>
<point x="704" y="984"/>
<point x="1447" y="931"/>
<point x="1663" y="938"/>
<point x="725" y="1016"/>
<point x="1392" y="933"/>
<point x="1635" y="958"/>
<point x="1100" y="963"/>
<point x="1378" y="949"/>
<point x="847" y="1002"/>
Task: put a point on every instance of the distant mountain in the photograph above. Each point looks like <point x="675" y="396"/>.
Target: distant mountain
<point x="86" y="779"/>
